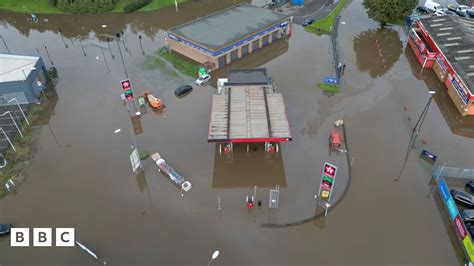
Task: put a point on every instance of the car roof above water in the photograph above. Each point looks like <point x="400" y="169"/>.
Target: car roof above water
<point x="462" y="193"/>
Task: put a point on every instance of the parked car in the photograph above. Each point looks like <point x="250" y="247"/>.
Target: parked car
<point x="203" y="79"/>
<point x="467" y="216"/>
<point x="5" y="229"/>
<point x="461" y="10"/>
<point x="422" y="10"/>
<point x="308" y="21"/>
<point x="452" y="7"/>
<point x="470" y="185"/>
<point x="463" y="197"/>
<point x="450" y="12"/>
<point x="183" y="90"/>
<point x="470" y="12"/>
<point x="470" y="228"/>
<point x="433" y="6"/>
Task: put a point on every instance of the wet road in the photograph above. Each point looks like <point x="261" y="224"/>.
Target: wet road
<point x="84" y="179"/>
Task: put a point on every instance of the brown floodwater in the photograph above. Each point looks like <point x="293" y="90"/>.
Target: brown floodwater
<point x="80" y="176"/>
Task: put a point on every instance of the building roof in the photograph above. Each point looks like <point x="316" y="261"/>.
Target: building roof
<point x="16" y="67"/>
<point x="228" y="25"/>
<point x="455" y="37"/>
<point x="255" y="76"/>
<point x="248" y="114"/>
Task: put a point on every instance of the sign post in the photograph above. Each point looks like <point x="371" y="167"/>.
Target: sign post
<point x="127" y="89"/>
<point x="326" y="186"/>
<point x="135" y="160"/>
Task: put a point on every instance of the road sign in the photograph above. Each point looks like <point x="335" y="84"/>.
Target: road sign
<point x="330" y="80"/>
<point x="135" y="160"/>
<point x="127" y="89"/>
<point x="428" y="155"/>
<point x="274" y="198"/>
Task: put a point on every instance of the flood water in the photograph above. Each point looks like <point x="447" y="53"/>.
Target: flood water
<point x="80" y="175"/>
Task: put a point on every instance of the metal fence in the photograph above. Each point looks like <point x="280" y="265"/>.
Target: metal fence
<point x="453" y="172"/>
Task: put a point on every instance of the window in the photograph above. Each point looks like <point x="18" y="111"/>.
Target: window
<point x="265" y="40"/>
<point x="245" y="50"/>
<point x="234" y="55"/>
<point x="255" y="45"/>
<point x="274" y="36"/>
<point x="222" y="61"/>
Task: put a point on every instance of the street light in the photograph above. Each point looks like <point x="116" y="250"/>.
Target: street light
<point x="8" y="112"/>
<point x="21" y="110"/>
<point x="415" y="131"/>
<point x="214" y="256"/>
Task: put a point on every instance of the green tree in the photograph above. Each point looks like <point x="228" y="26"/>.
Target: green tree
<point x="389" y="11"/>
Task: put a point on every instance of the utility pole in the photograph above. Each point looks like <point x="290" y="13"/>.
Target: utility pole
<point x="414" y="134"/>
<point x="121" y="55"/>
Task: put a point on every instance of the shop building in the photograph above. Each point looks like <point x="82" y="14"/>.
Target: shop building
<point x="446" y="44"/>
<point x="228" y="35"/>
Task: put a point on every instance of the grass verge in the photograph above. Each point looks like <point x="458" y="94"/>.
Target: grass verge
<point x="324" y="26"/>
<point x="153" y="62"/>
<point x="184" y="65"/>
<point x="329" y="87"/>
<point x="43" y="6"/>
<point x="30" y="6"/>
<point x="24" y="145"/>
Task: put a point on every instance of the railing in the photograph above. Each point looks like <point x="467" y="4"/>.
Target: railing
<point x="454" y="172"/>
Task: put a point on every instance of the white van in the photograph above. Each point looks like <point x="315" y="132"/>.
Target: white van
<point x="433" y="6"/>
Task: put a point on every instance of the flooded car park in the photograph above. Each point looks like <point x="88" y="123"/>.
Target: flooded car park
<point x="80" y="174"/>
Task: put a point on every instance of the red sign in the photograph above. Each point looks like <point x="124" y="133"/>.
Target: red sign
<point x="328" y="176"/>
<point x="127" y="89"/>
<point x="329" y="169"/>
<point x="126" y="84"/>
<point x="460" y="227"/>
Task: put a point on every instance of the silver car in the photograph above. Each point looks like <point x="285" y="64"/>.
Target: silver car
<point x="463" y="197"/>
<point x="468" y="216"/>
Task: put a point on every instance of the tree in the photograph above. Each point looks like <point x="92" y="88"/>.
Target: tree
<point x="389" y="11"/>
<point x="377" y="50"/>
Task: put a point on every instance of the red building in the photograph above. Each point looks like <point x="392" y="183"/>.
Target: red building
<point x="446" y="44"/>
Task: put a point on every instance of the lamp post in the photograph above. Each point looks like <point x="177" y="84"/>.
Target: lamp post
<point x="121" y="55"/>
<point x="415" y="131"/>
<point x="14" y="122"/>
<point x="214" y="256"/>
<point x="421" y="119"/>
<point x="21" y="110"/>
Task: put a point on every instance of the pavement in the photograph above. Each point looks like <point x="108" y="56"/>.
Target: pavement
<point x="318" y="9"/>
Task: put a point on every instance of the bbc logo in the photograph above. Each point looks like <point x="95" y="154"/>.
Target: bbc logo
<point x="42" y="237"/>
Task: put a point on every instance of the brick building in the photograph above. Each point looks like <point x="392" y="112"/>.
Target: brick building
<point x="225" y="36"/>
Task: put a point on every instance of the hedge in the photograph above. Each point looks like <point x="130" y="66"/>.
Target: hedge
<point x="86" y="6"/>
<point x="135" y="5"/>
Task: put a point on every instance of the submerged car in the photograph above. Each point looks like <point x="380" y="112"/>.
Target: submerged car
<point x="463" y="197"/>
<point x="467" y="216"/>
<point x="182" y="90"/>
<point x="5" y="229"/>
<point x="203" y="79"/>
<point x="308" y="21"/>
